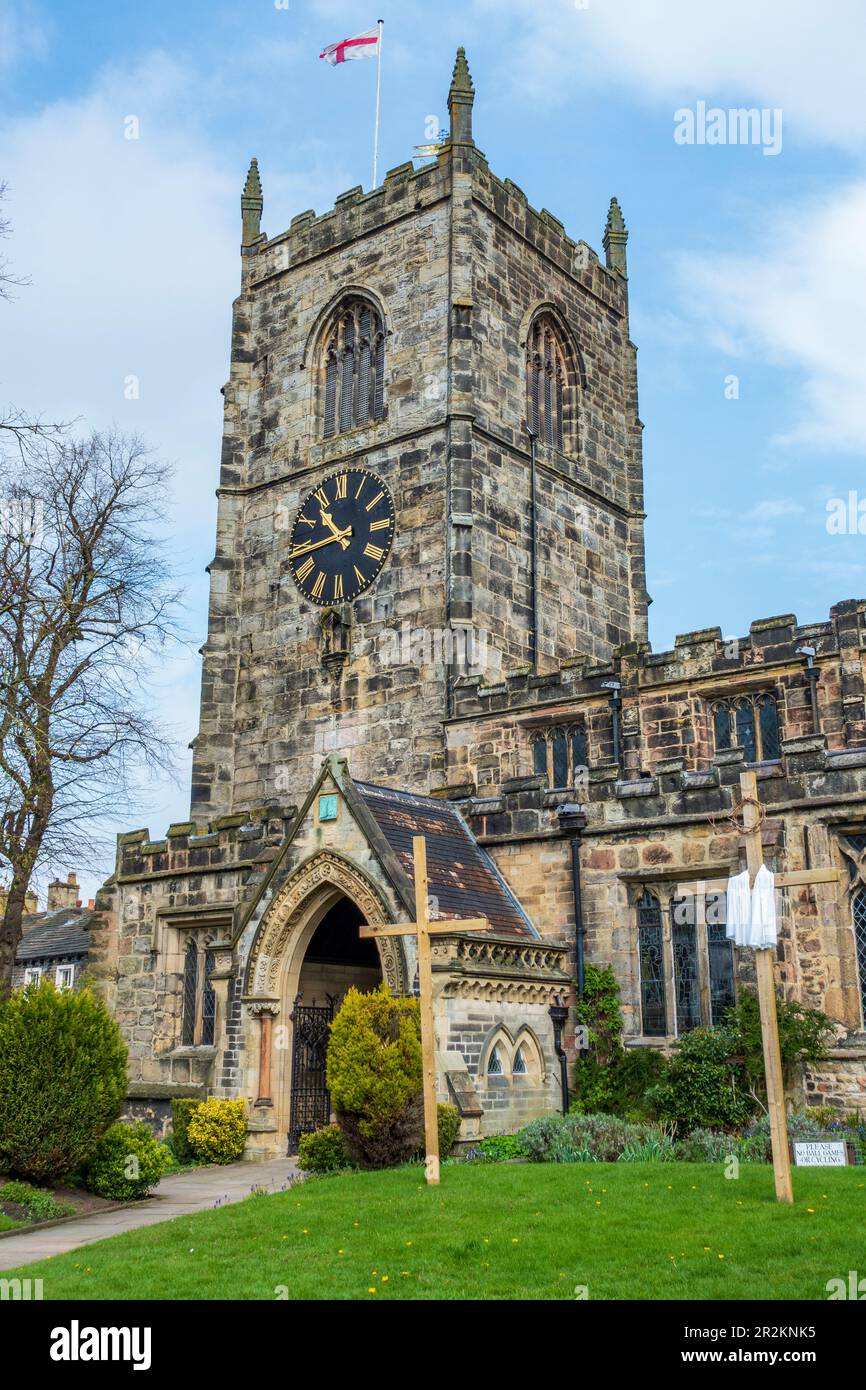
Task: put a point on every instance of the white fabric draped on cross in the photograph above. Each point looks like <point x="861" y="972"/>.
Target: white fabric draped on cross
<point x="751" y="911"/>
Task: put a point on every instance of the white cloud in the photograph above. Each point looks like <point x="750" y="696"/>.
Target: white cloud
<point x="791" y="54"/>
<point x="24" y="34"/>
<point x="796" y="299"/>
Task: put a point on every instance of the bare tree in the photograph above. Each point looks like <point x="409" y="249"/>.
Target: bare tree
<point x="8" y="281"/>
<point x="84" y="589"/>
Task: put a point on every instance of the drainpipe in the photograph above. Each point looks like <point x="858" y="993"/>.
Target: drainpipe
<point x="615" y="688"/>
<point x="558" y="1014"/>
<point x="533" y="547"/>
<point x="813" y="676"/>
<point x="572" y="822"/>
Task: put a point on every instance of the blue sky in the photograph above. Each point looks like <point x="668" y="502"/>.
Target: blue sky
<point x="740" y="263"/>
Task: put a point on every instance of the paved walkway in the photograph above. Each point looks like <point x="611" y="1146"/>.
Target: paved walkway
<point x="177" y="1195"/>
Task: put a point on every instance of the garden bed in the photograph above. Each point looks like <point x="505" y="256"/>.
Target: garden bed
<point x="24" y="1207"/>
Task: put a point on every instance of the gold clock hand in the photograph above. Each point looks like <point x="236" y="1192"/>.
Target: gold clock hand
<point x="328" y="520"/>
<point x="317" y="545"/>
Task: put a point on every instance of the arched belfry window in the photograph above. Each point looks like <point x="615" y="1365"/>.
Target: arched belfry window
<point x="549" y="384"/>
<point x="354" y="360"/>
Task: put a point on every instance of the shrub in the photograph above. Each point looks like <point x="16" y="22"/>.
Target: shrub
<point x="449" y="1128"/>
<point x="702" y="1084"/>
<point x="127" y="1163"/>
<point x="182" y="1111"/>
<point x="609" y="1077"/>
<point x="498" y="1148"/>
<point x="62" y="1079"/>
<point x="375" y="1079"/>
<point x="32" y="1203"/>
<point x="323" y="1151"/>
<point x="217" y="1130"/>
<point x="803" y="1037"/>
<point x="576" y="1138"/>
<point x="708" y="1146"/>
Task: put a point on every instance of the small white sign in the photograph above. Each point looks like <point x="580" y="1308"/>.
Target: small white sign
<point x="819" y="1153"/>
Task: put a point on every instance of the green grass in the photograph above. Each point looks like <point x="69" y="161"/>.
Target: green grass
<point x="7" y="1224"/>
<point x="678" y="1231"/>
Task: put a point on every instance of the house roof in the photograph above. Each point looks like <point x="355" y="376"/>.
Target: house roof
<point x="50" y="935"/>
<point x="460" y="874"/>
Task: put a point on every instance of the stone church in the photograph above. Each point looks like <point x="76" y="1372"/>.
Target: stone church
<point x="428" y="614"/>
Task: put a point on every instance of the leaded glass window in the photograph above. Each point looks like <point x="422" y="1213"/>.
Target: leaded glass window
<point x="354" y="368"/>
<point x="494" y="1063"/>
<point x="519" y="1066"/>
<point x="579" y="752"/>
<point x="752" y="722"/>
<point x="652" y="967"/>
<point x="539" y="756"/>
<point x="190" y="994"/>
<point x="858" y="911"/>
<point x="720" y="954"/>
<point x="687" y="990"/>
<point x="560" y="759"/>
<point x="546" y="382"/>
<point x="208" y="1002"/>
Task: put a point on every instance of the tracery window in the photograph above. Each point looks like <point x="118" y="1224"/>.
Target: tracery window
<point x="750" y="722"/>
<point x="854" y="846"/>
<point x="354" y="386"/>
<point x="701" y="950"/>
<point x="548" y="384"/>
<point x="561" y="755"/>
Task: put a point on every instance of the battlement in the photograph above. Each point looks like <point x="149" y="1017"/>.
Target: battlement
<point x="227" y="842"/>
<point x="696" y="657"/>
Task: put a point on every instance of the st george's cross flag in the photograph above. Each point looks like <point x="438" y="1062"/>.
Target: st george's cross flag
<point x="364" y="45"/>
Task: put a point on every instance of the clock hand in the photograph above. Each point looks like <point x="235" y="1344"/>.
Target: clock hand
<point x="317" y="545"/>
<point x="327" y="520"/>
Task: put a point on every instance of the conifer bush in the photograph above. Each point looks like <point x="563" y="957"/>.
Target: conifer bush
<point x="182" y="1110"/>
<point x="62" y="1079"/>
<point x="375" y="1079"/>
<point x="127" y="1164"/>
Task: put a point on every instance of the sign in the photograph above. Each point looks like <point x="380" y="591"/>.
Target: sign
<point x="327" y="808"/>
<point x="820" y="1153"/>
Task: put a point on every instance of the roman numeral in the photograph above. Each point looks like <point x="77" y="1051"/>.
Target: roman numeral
<point x="361" y="578"/>
<point x="380" y="525"/>
<point x="360" y="485"/>
<point x="306" y="520"/>
<point x="373" y="552"/>
<point x="377" y="498"/>
<point x="319" y="587"/>
<point x="303" y="570"/>
<point x="341" y="483"/>
<point x="321" y="496"/>
<point x="338" y="586"/>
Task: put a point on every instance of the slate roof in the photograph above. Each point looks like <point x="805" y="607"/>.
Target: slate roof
<point x="62" y="933"/>
<point x="460" y="874"/>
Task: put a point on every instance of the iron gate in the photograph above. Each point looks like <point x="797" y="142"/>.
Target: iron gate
<point x="310" y="1099"/>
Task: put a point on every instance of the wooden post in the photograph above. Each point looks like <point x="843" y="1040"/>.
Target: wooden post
<point x="767" y="986"/>
<point x="428" y="1032"/>
<point x="422" y="929"/>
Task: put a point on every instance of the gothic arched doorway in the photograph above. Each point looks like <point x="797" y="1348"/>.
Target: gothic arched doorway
<point x="336" y="960"/>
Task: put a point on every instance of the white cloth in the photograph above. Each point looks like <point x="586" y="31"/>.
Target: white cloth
<point x="738" y="915"/>
<point x="764" y="931"/>
<point x="750" y="918"/>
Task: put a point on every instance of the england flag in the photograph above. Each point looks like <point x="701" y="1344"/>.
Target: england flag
<point x="364" y="45"/>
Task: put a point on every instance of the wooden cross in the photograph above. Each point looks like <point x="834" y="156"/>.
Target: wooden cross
<point x="767" y="988"/>
<point x="423" y="929"/>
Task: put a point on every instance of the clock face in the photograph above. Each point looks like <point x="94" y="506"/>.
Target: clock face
<point x="342" y="537"/>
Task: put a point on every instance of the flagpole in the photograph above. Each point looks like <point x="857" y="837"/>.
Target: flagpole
<point x="381" y="24"/>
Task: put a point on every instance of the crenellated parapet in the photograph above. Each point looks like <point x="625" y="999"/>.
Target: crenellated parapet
<point x="224" y="844"/>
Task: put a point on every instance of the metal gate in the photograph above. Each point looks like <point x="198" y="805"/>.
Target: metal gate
<point x="310" y="1099"/>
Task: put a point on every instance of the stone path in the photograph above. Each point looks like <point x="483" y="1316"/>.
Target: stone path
<point x="177" y="1195"/>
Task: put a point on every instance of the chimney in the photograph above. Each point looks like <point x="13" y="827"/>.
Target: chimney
<point x="62" y="895"/>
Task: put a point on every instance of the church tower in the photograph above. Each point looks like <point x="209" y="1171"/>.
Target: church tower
<point x="440" y="344"/>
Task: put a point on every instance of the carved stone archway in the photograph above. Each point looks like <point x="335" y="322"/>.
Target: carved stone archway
<point x="273" y="973"/>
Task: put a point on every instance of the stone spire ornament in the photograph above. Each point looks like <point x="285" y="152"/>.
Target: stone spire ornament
<point x="252" y="203"/>
<point x="615" y="239"/>
<point x="460" y="101"/>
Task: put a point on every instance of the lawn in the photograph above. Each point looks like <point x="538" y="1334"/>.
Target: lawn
<point x="497" y="1231"/>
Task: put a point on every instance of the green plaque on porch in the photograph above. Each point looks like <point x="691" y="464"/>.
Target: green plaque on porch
<point x="327" y="808"/>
